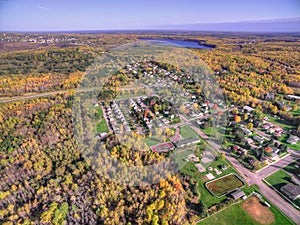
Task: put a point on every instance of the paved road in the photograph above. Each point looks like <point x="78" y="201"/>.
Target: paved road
<point x="45" y="94"/>
<point x="31" y="96"/>
<point x="278" y="165"/>
<point x="278" y="201"/>
<point x="270" y="194"/>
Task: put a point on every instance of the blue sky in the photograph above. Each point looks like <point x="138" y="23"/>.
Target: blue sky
<point x="38" y="15"/>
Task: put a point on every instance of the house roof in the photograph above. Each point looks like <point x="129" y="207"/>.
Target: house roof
<point x="291" y="190"/>
<point x="237" y="194"/>
<point x="187" y="141"/>
<point x="248" y="108"/>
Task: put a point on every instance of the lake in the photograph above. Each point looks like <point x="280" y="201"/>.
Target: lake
<point x="172" y="42"/>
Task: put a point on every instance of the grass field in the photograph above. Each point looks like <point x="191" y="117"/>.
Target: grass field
<point x="280" y="122"/>
<point x="187" y="132"/>
<point x="224" y="184"/>
<point x="101" y="124"/>
<point x="152" y="141"/>
<point x="101" y="127"/>
<point x="237" y="215"/>
<point x="278" y="180"/>
<point x="234" y="215"/>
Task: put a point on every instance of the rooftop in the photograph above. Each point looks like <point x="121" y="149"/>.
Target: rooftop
<point x="237" y="194"/>
<point x="291" y="190"/>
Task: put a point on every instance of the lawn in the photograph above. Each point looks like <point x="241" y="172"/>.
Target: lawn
<point x="101" y="124"/>
<point x="282" y="123"/>
<point x="206" y="197"/>
<point x="224" y="185"/>
<point x="128" y="96"/>
<point x="210" y="131"/>
<point x="152" y="141"/>
<point x="187" y="132"/>
<point x="279" y="179"/>
<point x="236" y="215"/>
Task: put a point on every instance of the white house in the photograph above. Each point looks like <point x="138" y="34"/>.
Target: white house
<point x="293" y="140"/>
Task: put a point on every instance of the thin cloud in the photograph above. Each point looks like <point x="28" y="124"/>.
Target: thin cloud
<point x="42" y="7"/>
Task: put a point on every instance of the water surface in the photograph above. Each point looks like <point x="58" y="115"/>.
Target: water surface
<point x="181" y="43"/>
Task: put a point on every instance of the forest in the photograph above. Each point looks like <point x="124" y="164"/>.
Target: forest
<point x="45" y="178"/>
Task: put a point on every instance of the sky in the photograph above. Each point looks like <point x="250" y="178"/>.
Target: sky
<point x="57" y="15"/>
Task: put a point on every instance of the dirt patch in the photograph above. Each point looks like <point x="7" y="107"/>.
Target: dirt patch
<point x="257" y="211"/>
<point x="204" y="178"/>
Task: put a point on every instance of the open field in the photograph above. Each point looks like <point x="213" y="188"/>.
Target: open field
<point x="280" y="122"/>
<point x="258" y="212"/>
<point x="186" y="132"/>
<point x="101" y="124"/>
<point x="278" y="179"/>
<point x="244" y="212"/>
<point x="152" y="141"/>
<point x="224" y="185"/>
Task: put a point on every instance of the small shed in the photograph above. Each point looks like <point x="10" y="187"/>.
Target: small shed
<point x="237" y="194"/>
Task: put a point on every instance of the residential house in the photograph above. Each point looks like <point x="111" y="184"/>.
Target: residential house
<point x="292" y="140"/>
<point x="200" y="168"/>
<point x="187" y="142"/>
<point x="246" y="131"/>
<point x="248" y="109"/>
<point x="283" y="106"/>
<point x="292" y="97"/>
<point x="291" y="190"/>
<point x="258" y="139"/>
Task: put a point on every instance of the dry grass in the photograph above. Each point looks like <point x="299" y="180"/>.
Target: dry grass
<point x="258" y="212"/>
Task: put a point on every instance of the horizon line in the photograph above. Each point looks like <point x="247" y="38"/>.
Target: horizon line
<point x="171" y="27"/>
